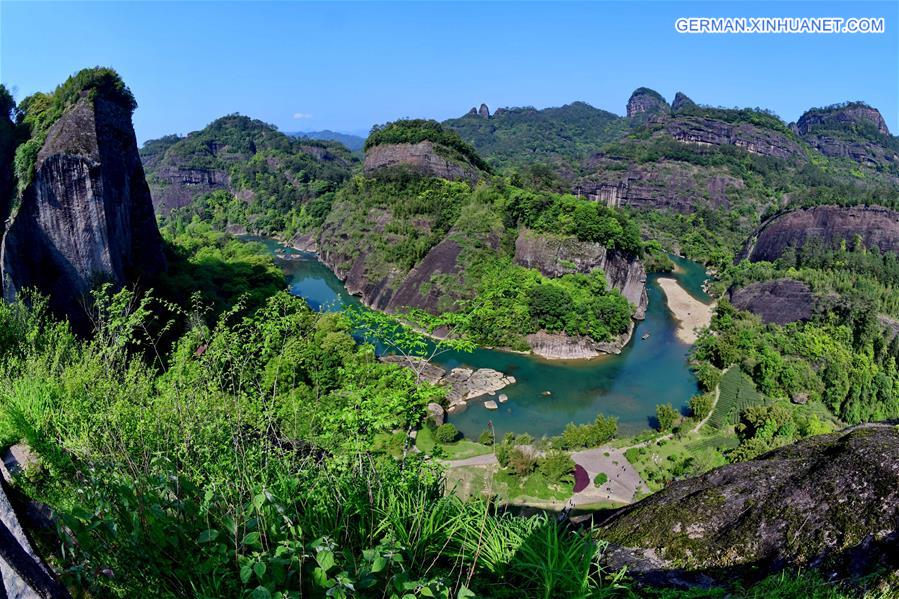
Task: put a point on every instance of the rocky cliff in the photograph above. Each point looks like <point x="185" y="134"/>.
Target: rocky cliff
<point x="778" y="301"/>
<point x="424" y="158"/>
<point x="842" y="116"/>
<point x="87" y="215"/>
<point x="854" y="131"/>
<point x="668" y="184"/>
<point x="875" y="225"/>
<point x="829" y="502"/>
<point x="556" y="255"/>
<point x="645" y="103"/>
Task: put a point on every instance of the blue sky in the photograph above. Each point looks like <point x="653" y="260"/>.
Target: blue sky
<point x="345" y="66"/>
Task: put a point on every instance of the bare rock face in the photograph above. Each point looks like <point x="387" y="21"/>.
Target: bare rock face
<point x="559" y="346"/>
<point x="665" y="184"/>
<point x="484" y="112"/>
<point x="556" y="255"/>
<point x="422" y="157"/>
<point x="829" y="502"/>
<point x="645" y="103"/>
<point x="87" y="217"/>
<point x="875" y="225"/>
<point x="855" y="131"/>
<point x="755" y="140"/>
<point x="780" y="301"/>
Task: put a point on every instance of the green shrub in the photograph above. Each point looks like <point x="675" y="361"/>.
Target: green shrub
<point x="446" y="433"/>
<point x="701" y="405"/>
<point x="667" y="416"/>
<point x="557" y="467"/>
<point x="600" y="479"/>
<point x="486" y="437"/>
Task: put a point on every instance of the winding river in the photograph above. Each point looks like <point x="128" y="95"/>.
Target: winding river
<point x="629" y="385"/>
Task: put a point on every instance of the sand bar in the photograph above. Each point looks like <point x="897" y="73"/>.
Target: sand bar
<point x="691" y="313"/>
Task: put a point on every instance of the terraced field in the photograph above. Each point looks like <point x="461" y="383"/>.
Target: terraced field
<point x="737" y="393"/>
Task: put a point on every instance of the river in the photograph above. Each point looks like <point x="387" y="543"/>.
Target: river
<point x="627" y="386"/>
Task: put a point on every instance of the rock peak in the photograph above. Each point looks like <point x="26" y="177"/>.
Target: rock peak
<point x="483" y="111"/>
<point x="646" y="103"/>
<point x="681" y="101"/>
<point x="840" y="116"/>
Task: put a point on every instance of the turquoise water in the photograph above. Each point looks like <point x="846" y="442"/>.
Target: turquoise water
<point x="628" y="386"/>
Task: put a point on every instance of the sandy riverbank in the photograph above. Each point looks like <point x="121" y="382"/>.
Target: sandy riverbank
<point x="690" y="313"/>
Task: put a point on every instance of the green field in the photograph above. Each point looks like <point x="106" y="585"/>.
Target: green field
<point x="737" y="392"/>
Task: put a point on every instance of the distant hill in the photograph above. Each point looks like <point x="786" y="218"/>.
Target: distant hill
<point x="521" y="136"/>
<point x="353" y="142"/>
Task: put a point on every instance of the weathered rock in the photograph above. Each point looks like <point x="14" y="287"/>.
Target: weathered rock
<point x="645" y="103"/>
<point x="663" y="184"/>
<point x="556" y="255"/>
<point x="875" y="225"/>
<point x="491" y="405"/>
<point x="780" y="301"/>
<point x="484" y="112"/>
<point x="423" y="157"/>
<point x="503" y="398"/>
<point x="559" y="346"/>
<point x="436" y="414"/>
<point x="464" y="384"/>
<point x="87" y="216"/>
<point x="829" y="502"/>
<point x="755" y="140"/>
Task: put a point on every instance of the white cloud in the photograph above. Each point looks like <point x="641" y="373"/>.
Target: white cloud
<point x="302" y="115"/>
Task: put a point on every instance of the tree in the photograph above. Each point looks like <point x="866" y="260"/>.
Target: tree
<point x="446" y="433"/>
<point x="667" y="416"/>
<point x="701" y="405"/>
<point x="549" y="304"/>
<point x="557" y="467"/>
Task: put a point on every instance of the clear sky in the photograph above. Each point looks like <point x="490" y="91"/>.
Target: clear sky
<point x="345" y="66"/>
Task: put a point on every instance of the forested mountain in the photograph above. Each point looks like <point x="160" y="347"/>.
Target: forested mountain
<point x="243" y="173"/>
<point x="523" y="136"/>
<point x="353" y="143"/>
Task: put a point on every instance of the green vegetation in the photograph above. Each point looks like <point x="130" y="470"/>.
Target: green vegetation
<point x="737" y="393"/>
<point x="666" y="416"/>
<point x="278" y="185"/>
<point x="600" y="479"/>
<point x="446" y="433"/>
<point x="413" y="131"/>
<point x="579" y="436"/>
<point x="557" y="468"/>
<point x="521" y="137"/>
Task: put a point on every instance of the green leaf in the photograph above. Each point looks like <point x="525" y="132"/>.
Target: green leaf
<point x="465" y="593"/>
<point x="378" y="564"/>
<point x="261" y="592"/>
<point x="259" y="569"/>
<point x="207" y="536"/>
<point x="325" y="560"/>
<point x="245" y="573"/>
<point x="251" y="539"/>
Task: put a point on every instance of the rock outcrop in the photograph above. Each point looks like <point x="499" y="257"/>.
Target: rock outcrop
<point x="463" y="384"/>
<point x="559" y="346"/>
<point x="874" y="225"/>
<point x="423" y="157"/>
<point x="779" y="301"/>
<point x="484" y="112"/>
<point x="556" y="255"/>
<point x="87" y="216"/>
<point x="755" y="140"/>
<point x="846" y="116"/>
<point x="645" y="103"/>
<point x="665" y="184"/>
<point x="829" y="502"/>
<point x="681" y="101"/>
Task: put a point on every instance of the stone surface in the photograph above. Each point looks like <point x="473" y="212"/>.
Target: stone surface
<point x="877" y="226"/>
<point x="436" y="413"/>
<point x="646" y="103"/>
<point x="842" y="117"/>
<point x="559" y="346"/>
<point x="556" y="255"/>
<point x="755" y="140"/>
<point x="87" y="216"/>
<point x="681" y="101"/>
<point x="829" y="502"/>
<point x="491" y="405"/>
<point x="423" y="157"/>
<point x="779" y="301"/>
